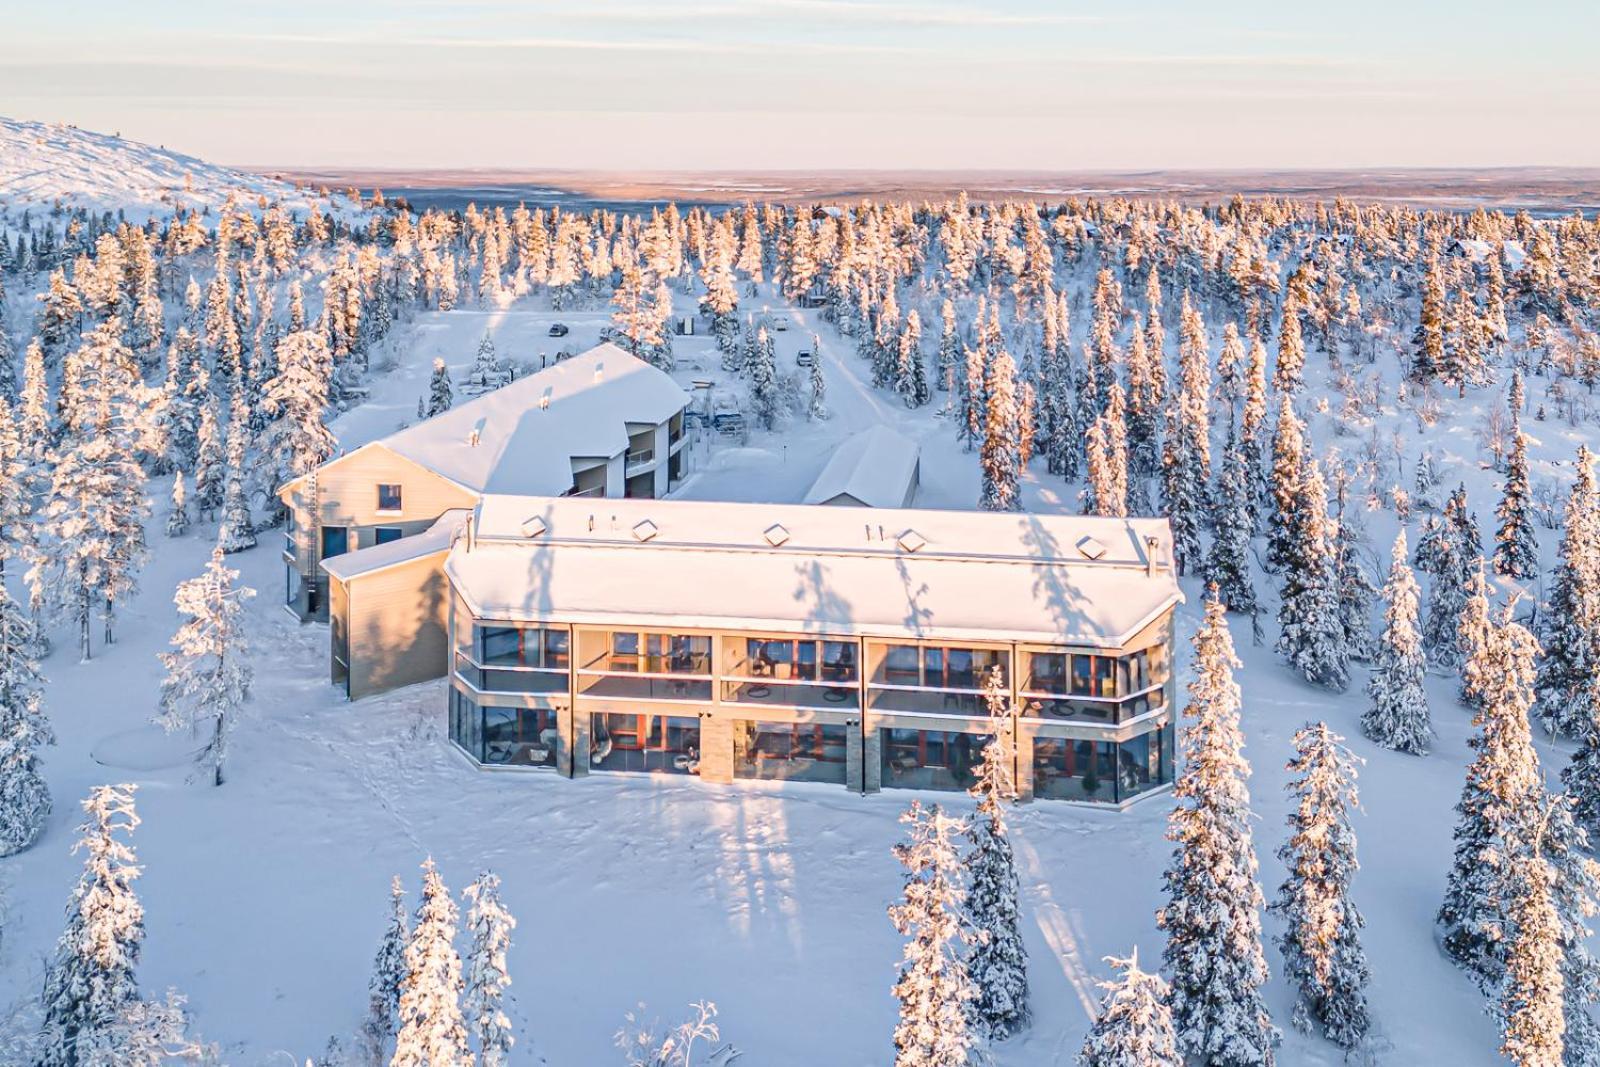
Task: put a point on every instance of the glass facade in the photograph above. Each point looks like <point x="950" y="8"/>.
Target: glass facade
<point x="1104" y="771"/>
<point x="790" y="751"/>
<point x="1088" y="687"/>
<point x="654" y="744"/>
<point x="513" y="659"/>
<point x="504" y="737"/>
<point x="929" y="759"/>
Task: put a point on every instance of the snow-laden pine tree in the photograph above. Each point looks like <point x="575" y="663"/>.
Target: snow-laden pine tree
<point x="1452" y="555"/>
<point x="1572" y="632"/>
<point x="1287" y="373"/>
<point x="999" y="455"/>
<point x="1227" y="566"/>
<point x="1106" y="491"/>
<point x="24" y="728"/>
<point x="1310" y="631"/>
<point x="1322" y="955"/>
<point x="1213" y="912"/>
<point x="1502" y="788"/>
<point x="210" y="463"/>
<point x="1581" y="776"/>
<point x="90" y="982"/>
<point x="1533" y="1023"/>
<point x="208" y="673"/>
<point x="432" y="1032"/>
<point x="440" y="394"/>
<point x="1516" y="548"/>
<point x="388" y="975"/>
<point x="1398" y="716"/>
<point x="1134" y="1026"/>
<point x="1186" y="444"/>
<point x="486" y="977"/>
<point x="1355" y="590"/>
<point x="1287" y="486"/>
<point x="295" y="440"/>
<point x="937" y="1027"/>
<point x="238" y="530"/>
<point x="1474" y="630"/>
<point x="817" y="402"/>
<point x="178" y="513"/>
<point x="998" y="960"/>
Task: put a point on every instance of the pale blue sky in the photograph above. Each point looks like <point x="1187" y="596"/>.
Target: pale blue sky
<point x="746" y="84"/>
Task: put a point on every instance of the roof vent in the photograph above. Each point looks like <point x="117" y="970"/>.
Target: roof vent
<point x="1090" y="548"/>
<point x="911" y="541"/>
<point x="776" y="535"/>
<point x="544" y="399"/>
<point x="472" y="438"/>
<point x="533" y="526"/>
<point x="599" y="371"/>
<point x="644" y="529"/>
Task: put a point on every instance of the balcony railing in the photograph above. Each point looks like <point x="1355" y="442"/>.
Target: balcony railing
<point x="642" y="456"/>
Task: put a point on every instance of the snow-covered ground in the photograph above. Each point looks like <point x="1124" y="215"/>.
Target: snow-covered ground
<point x="265" y="898"/>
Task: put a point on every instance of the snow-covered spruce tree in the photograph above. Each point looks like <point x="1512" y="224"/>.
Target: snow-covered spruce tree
<point x="209" y="470"/>
<point x="296" y="441"/>
<point x="1287" y="373"/>
<point x="1227" y="566"/>
<point x="209" y="675"/>
<point x="1572" y="633"/>
<point x="24" y="728"/>
<point x="1186" y="444"/>
<point x="1322" y="954"/>
<point x="432" y="1033"/>
<point x="999" y="456"/>
<point x="817" y="404"/>
<point x="1451" y="553"/>
<point x="388" y="975"/>
<point x="761" y="366"/>
<point x="95" y="516"/>
<point x="486" y="976"/>
<point x="1516" y="548"/>
<point x="1355" y="589"/>
<point x="1286" y="485"/>
<point x="1581" y="776"/>
<point x="91" y="979"/>
<point x="178" y="514"/>
<point x="1213" y="912"/>
<point x="1502" y="788"/>
<point x="1533" y="1024"/>
<point x="238" y="525"/>
<point x="997" y="960"/>
<point x="1397" y="716"/>
<point x="1474" y="630"/>
<point x="1310" y="631"/>
<point x="1134" y="1026"/>
<point x="937" y="1027"/>
<point x="1107" y="455"/>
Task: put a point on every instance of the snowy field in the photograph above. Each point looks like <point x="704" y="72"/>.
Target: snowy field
<point x="265" y="898"/>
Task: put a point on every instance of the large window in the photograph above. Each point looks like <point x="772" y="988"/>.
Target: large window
<point x="1069" y="769"/>
<point x="929" y="759"/>
<point x="642" y="653"/>
<point x="790" y="751"/>
<point x="513" y="737"/>
<point x="938" y="667"/>
<point x="388" y="497"/>
<point x="656" y="744"/>
<point x="515" y="659"/>
<point x="1093" y="687"/>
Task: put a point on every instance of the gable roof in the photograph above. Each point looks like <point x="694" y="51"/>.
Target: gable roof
<point x="886" y="572"/>
<point x="876" y="467"/>
<point x="522" y="437"/>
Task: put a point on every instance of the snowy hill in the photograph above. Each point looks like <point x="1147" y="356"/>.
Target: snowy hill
<point x="43" y="162"/>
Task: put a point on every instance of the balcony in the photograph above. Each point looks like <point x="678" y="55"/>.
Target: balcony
<point x="640" y="460"/>
<point x="509" y="678"/>
<point x="1107" y="711"/>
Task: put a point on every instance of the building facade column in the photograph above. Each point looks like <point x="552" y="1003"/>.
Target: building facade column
<point x="716" y="748"/>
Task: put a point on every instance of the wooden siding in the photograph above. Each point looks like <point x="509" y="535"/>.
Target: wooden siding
<point x="397" y="620"/>
<point x="347" y="491"/>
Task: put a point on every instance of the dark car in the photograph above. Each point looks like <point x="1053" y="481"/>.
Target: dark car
<point x="558" y="329"/>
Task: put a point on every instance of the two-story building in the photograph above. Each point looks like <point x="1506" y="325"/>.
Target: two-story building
<point x="845" y="645"/>
<point x="368" y="530"/>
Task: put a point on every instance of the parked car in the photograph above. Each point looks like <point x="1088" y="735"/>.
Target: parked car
<point x="804" y="359"/>
<point x="558" y="329"/>
<point x="728" y="422"/>
<point x="780" y="322"/>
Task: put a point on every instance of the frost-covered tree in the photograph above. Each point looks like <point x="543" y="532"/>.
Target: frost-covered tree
<point x="998" y="960"/>
<point x="1213" y="912"/>
<point x="24" y="728"/>
<point x="486" y="977"/>
<point x="1287" y="486"/>
<point x="1533" y="1022"/>
<point x="432" y="1032"/>
<point x="388" y="976"/>
<point x="1450" y="552"/>
<point x="1474" y="631"/>
<point x="817" y="406"/>
<point x="1134" y="1026"/>
<point x="1516" y="548"/>
<point x="1287" y="373"/>
<point x="761" y="364"/>
<point x="208" y="673"/>
<point x="209" y="471"/>
<point x="1581" y="777"/>
<point x="1322" y="954"/>
<point x="1186" y="444"/>
<point x="1355" y="589"/>
<point x="1228" y="561"/>
<point x="1572" y="634"/>
<point x="178" y="513"/>
<point x="936" y="1026"/>
<point x="1398" y="716"/>
<point x="999" y="456"/>
<point x="1310" y="631"/>
<point x="296" y="441"/>
<point x="1106" y="491"/>
<point x="440" y="395"/>
<point x="91" y="982"/>
<point x="238" y="525"/>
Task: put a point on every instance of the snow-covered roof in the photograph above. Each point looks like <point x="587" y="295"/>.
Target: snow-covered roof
<point x="876" y="467"/>
<point x="887" y="572"/>
<point x="362" y="561"/>
<point x="522" y="437"/>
